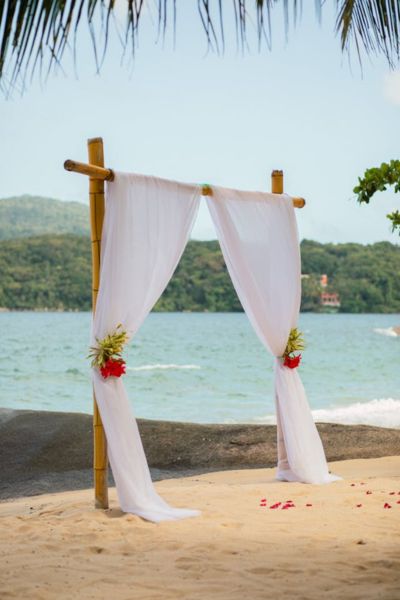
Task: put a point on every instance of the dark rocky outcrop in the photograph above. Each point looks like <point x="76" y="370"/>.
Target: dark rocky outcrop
<point x="44" y="452"/>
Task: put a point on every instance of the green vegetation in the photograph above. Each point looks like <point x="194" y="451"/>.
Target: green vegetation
<point x="366" y="277"/>
<point x="376" y="180"/>
<point x="24" y="216"/>
<point x="53" y="272"/>
<point x="46" y="272"/>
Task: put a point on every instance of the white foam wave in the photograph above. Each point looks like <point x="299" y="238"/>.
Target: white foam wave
<point x="383" y="412"/>
<point x="162" y="367"/>
<point x="389" y="332"/>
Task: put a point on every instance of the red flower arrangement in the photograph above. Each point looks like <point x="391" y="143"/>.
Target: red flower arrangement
<point x="106" y="354"/>
<point x="292" y="362"/>
<point x="113" y="368"/>
<point x="295" y="344"/>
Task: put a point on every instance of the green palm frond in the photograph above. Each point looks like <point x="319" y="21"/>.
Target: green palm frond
<point x="35" y="33"/>
<point x="373" y="25"/>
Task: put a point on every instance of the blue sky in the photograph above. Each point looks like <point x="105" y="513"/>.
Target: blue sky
<point x="190" y="115"/>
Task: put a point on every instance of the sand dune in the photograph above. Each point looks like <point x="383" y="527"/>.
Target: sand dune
<point x="57" y="546"/>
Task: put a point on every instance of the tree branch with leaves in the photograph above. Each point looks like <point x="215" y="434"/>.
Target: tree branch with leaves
<point x="377" y="179"/>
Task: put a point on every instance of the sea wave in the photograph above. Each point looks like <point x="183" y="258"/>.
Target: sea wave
<point x="389" y="332"/>
<point x="382" y="412"/>
<point x="162" y="367"/>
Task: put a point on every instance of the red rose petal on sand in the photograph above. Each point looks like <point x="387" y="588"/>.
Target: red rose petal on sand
<point x="308" y="504"/>
<point x="386" y="505"/>
<point x="368" y="492"/>
<point x="263" y="500"/>
<point x="398" y="502"/>
<point x="392" y="493"/>
<point x="359" y="505"/>
<point x="276" y="505"/>
<point x="352" y="484"/>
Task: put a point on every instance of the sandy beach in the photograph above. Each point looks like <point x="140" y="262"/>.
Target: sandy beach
<point x="326" y="546"/>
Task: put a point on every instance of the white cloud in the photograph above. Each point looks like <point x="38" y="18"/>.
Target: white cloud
<point x="391" y="87"/>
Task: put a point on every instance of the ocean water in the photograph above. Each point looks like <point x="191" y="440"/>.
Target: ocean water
<point x="206" y="368"/>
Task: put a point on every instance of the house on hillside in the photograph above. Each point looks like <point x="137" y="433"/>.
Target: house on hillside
<point x="330" y="301"/>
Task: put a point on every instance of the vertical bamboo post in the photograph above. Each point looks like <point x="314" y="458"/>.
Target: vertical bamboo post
<point x="277" y="182"/>
<point x="96" y="199"/>
<point x="277" y="188"/>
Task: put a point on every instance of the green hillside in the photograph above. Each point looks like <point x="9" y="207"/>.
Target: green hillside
<point x="25" y="216"/>
<point x="53" y="272"/>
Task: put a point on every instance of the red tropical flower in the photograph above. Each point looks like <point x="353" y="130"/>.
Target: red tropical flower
<point x="113" y="368"/>
<point x="292" y="362"/>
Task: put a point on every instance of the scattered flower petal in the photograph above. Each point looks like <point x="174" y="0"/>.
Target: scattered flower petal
<point x="352" y="484"/>
<point x="387" y="505"/>
<point x="368" y="492"/>
<point x="359" y="505"/>
<point x="392" y="493"/>
<point x="308" y="504"/>
<point x="276" y="505"/>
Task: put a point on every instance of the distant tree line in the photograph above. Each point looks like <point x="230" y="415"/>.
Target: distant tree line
<point x="54" y="272"/>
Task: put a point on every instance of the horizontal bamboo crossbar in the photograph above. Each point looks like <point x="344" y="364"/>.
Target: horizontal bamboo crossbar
<point x="104" y="174"/>
<point x="93" y="171"/>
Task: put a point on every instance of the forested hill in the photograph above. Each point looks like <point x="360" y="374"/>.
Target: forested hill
<point x="53" y="272"/>
<point x="25" y="216"/>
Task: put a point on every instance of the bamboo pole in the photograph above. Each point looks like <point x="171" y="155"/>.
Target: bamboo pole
<point x="93" y="171"/>
<point x="277" y="188"/>
<point x="96" y="199"/>
<point x="102" y="174"/>
<point x="277" y="182"/>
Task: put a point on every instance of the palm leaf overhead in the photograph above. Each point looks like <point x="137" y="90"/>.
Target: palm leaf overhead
<point x="35" y="33"/>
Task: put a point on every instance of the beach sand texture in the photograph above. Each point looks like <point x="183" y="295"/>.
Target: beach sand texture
<point x="57" y="546"/>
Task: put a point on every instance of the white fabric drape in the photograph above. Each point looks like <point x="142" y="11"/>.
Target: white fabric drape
<point x="146" y="228"/>
<point x="259" y="241"/>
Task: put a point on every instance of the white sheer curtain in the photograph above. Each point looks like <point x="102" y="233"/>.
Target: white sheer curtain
<point x="259" y="241"/>
<point x="146" y="228"/>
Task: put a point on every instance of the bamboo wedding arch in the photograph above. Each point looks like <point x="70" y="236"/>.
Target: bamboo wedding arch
<point x="98" y="174"/>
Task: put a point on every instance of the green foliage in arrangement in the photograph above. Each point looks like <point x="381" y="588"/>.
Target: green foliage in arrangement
<point x="295" y="342"/>
<point x="111" y="346"/>
<point x="376" y="180"/>
<point x="54" y="272"/>
<point x="25" y="216"/>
